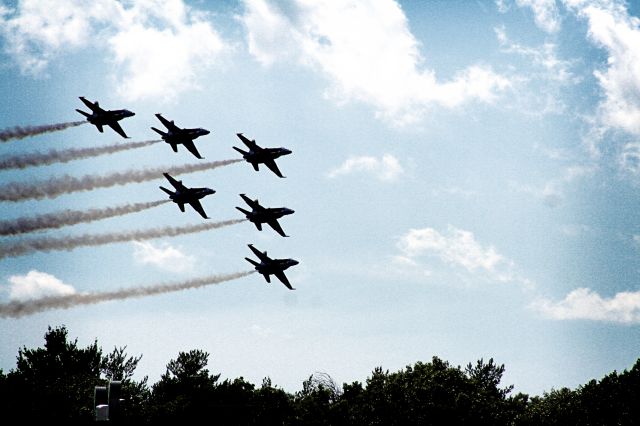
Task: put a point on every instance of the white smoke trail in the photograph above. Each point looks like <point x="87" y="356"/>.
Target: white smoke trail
<point x="19" y="132"/>
<point x="56" y="186"/>
<point x="18" y="309"/>
<point x="56" y="220"/>
<point x="54" y="156"/>
<point x="46" y="244"/>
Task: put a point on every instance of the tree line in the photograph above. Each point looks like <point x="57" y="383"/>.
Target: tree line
<point x="56" y="382"/>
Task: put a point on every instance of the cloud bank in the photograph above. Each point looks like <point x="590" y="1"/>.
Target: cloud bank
<point x="155" y="46"/>
<point x="367" y="52"/>
<point x="586" y="304"/>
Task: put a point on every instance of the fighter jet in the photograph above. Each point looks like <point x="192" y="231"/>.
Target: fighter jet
<point x="268" y="266"/>
<point x="100" y="117"/>
<point x="257" y="155"/>
<point x="175" y="135"/>
<point x="260" y="215"/>
<point x="184" y="195"/>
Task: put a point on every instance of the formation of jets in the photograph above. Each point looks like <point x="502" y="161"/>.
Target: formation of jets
<point x="182" y="194"/>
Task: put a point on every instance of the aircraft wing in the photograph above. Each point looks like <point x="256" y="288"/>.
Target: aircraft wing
<point x="92" y="106"/>
<point x="175" y="183"/>
<point x="253" y="204"/>
<point x="115" y="126"/>
<point x="262" y="256"/>
<point x="168" y="124"/>
<point x="198" y="207"/>
<point x="282" y="277"/>
<point x="192" y="148"/>
<point x="249" y="143"/>
<point x="276" y="227"/>
<point x="271" y="164"/>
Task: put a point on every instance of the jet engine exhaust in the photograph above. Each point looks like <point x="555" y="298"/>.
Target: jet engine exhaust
<point x="20" y="132"/>
<point x="63" y="218"/>
<point x="46" y="244"/>
<point x="17" y="309"/>
<point x="54" y="156"/>
<point x="56" y="186"/>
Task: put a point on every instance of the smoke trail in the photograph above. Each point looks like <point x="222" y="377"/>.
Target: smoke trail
<point x="17" y="309"/>
<point x="56" y="220"/>
<point x="17" y="191"/>
<point x="64" y="156"/>
<point x="23" y="132"/>
<point x="47" y="244"/>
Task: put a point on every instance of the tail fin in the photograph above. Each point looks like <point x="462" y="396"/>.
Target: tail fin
<point x="251" y="261"/>
<point x="160" y="132"/>
<point x="166" y="190"/>
<point x="83" y="113"/>
<point x="240" y="151"/>
<point x="243" y="211"/>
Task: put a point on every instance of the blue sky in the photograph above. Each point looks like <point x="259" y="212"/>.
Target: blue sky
<point x="464" y="178"/>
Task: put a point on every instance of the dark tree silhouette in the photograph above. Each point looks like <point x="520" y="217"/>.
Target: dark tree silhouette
<point x="185" y="391"/>
<point x="56" y="382"/>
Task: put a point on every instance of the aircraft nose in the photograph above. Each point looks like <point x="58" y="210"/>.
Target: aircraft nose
<point x="289" y="211"/>
<point x="205" y="131"/>
<point x="294" y="262"/>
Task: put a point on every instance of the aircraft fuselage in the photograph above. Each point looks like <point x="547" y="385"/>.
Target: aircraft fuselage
<point x="275" y="266"/>
<point x="265" y="154"/>
<point x="109" y="117"/>
<point x="269" y="214"/>
<point x="184" y="197"/>
<point x="184" y="135"/>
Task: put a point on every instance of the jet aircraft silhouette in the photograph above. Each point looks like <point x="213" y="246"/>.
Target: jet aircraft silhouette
<point x="100" y="117"/>
<point x="257" y="154"/>
<point x="259" y="215"/>
<point x="268" y="266"/>
<point x="175" y="135"/>
<point x="184" y="195"/>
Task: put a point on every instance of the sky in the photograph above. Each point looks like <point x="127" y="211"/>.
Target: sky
<point x="464" y="177"/>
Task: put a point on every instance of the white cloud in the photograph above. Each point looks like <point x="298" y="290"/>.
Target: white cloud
<point x="38" y="30"/>
<point x="164" y="256"/>
<point x="379" y="63"/>
<point x="387" y="168"/>
<point x="37" y="284"/>
<point x="455" y="247"/>
<point x="612" y="28"/>
<point x="545" y="12"/>
<point x="159" y="47"/>
<point x="155" y="45"/>
<point x="538" y="87"/>
<point x="544" y="56"/>
<point x="584" y="303"/>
